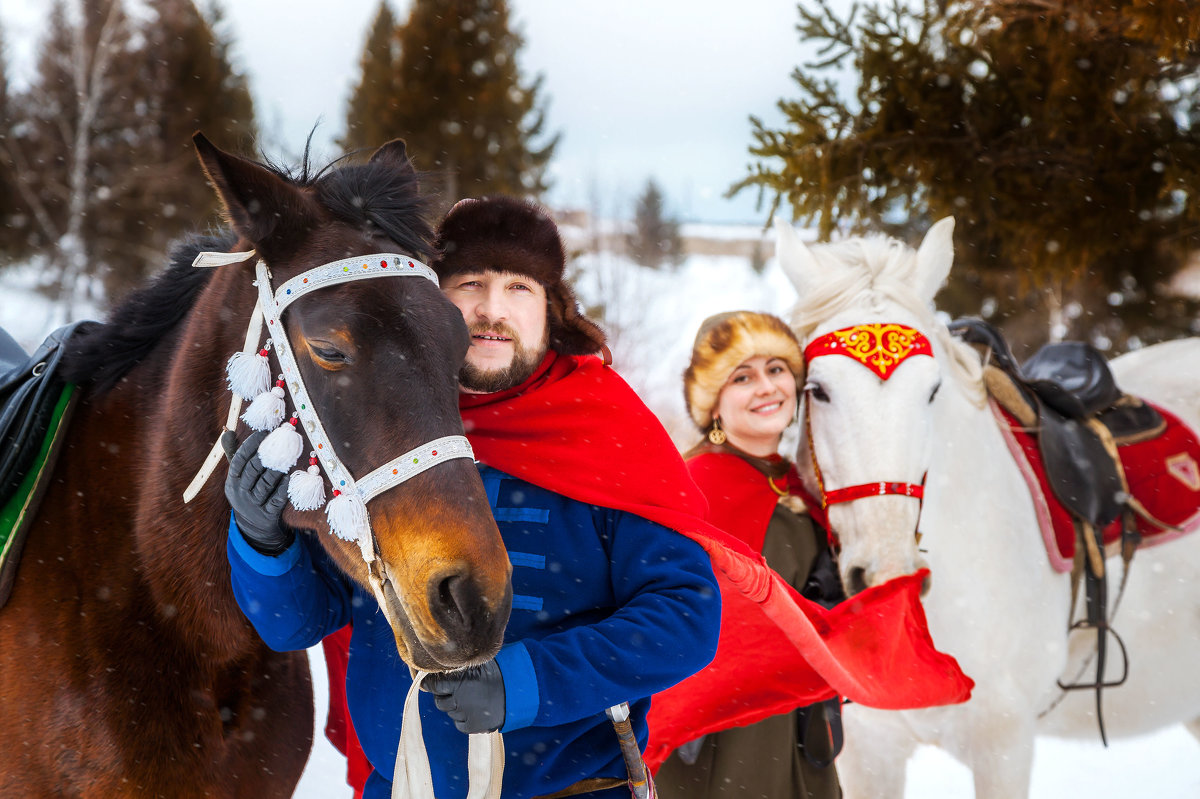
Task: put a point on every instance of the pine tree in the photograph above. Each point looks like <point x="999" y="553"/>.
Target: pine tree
<point x="1059" y="134"/>
<point x="655" y="240"/>
<point x="103" y="158"/>
<point x="372" y="106"/>
<point x="459" y="101"/>
<point x="189" y="84"/>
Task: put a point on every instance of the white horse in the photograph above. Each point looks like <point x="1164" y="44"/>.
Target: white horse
<point x="994" y="602"/>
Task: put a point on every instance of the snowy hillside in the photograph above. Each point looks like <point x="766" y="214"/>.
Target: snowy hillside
<point x="653" y="316"/>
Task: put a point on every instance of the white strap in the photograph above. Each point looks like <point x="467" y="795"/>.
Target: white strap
<point x="412" y="463"/>
<point x="206" y="469"/>
<point x="253" y="334"/>
<point x="485" y="765"/>
<point x="360" y="267"/>
<point x="211" y="259"/>
<point x="412" y="778"/>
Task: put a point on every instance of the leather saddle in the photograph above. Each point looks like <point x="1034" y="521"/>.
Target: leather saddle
<point x="35" y="407"/>
<point x="1067" y="396"/>
<point x="30" y="387"/>
<point x="1081" y="416"/>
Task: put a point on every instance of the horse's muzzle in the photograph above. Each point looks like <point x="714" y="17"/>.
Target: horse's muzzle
<point x="465" y="630"/>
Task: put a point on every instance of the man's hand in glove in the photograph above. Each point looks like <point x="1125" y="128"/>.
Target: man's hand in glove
<point x="257" y="495"/>
<point x="473" y="697"/>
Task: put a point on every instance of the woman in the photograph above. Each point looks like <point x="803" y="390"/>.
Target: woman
<point x="741" y="391"/>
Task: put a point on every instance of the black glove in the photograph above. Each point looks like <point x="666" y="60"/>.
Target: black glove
<point x="473" y="697"/>
<point x="257" y="495"/>
<point x="824" y="584"/>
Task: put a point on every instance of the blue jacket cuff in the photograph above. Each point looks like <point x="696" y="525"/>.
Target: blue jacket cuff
<point x="521" y="699"/>
<point x="269" y="565"/>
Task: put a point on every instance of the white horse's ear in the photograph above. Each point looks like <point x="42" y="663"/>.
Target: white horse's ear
<point x="934" y="258"/>
<point x="796" y="260"/>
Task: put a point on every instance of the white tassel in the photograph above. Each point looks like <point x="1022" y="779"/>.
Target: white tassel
<point x="347" y="516"/>
<point x="249" y="375"/>
<point x="281" y="449"/>
<point x="306" y="489"/>
<point x="266" y="411"/>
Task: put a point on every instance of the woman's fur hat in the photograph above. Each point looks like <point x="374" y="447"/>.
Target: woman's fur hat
<point x="507" y="234"/>
<point x="723" y="342"/>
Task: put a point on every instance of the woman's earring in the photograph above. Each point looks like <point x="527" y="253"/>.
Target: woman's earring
<point x="717" y="435"/>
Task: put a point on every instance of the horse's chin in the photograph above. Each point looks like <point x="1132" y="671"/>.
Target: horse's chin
<point x="858" y="578"/>
<point x="441" y="654"/>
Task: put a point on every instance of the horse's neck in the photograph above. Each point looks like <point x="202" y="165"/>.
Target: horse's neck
<point x="976" y="504"/>
<point x="149" y="435"/>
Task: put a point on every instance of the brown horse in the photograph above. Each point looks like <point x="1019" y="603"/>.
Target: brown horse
<point x="126" y="667"/>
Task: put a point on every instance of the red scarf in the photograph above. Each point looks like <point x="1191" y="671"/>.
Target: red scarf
<point x="740" y="498"/>
<point x="577" y="429"/>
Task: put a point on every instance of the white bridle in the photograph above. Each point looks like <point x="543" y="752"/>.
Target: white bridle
<point x="351" y="493"/>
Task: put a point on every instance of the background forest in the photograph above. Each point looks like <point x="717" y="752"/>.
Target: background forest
<point x="1061" y="135"/>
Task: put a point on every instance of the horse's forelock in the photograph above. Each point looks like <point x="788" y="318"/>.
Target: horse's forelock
<point x="377" y="196"/>
<point x="870" y="269"/>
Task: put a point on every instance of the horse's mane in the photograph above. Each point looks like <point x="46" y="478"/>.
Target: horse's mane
<point x="105" y="353"/>
<point x="376" y="197"/>
<point x="873" y="269"/>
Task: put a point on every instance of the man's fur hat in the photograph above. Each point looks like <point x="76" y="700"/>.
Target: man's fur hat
<point x="723" y="342"/>
<point x="506" y="234"/>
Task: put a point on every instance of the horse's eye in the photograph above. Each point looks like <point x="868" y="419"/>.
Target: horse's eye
<point x="328" y="354"/>
<point x="933" y="393"/>
<point x="816" y="391"/>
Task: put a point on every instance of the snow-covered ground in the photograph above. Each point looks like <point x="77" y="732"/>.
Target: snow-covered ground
<point x="1164" y="766"/>
<point x="653" y="316"/>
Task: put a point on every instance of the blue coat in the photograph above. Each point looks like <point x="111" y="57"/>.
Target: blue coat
<point x="607" y="607"/>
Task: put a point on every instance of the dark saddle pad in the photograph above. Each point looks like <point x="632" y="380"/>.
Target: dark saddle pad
<point x="30" y="387"/>
<point x="1069" y="384"/>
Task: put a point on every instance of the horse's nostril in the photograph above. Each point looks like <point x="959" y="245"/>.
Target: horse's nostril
<point x="926" y="584"/>
<point x="453" y="601"/>
<point x="856" y="580"/>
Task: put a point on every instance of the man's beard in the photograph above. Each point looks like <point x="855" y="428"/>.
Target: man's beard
<point x="524" y="362"/>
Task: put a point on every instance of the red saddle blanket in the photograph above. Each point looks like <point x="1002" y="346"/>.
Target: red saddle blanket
<point x="1163" y="474"/>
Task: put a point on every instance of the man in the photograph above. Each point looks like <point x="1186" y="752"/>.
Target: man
<point x="608" y="606"/>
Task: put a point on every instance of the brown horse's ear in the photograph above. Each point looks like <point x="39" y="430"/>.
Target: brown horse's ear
<point x="394" y="154"/>
<point x="260" y="205"/>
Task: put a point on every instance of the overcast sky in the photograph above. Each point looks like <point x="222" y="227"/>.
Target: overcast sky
<point x="638" y="88"/>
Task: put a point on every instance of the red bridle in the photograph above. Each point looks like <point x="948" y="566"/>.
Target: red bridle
<point x="881" y="347"/>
